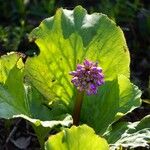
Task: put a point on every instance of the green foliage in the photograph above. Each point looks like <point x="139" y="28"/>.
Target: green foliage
<point x="43" y="83"/>
<point x="86" y="36"/>
<point x="24" y="100"/>
<point x="76" y="138"/>
<point x="129" y="95"/>
<point x="129" y="135"/>
<point x="119" y="95"/>
<point x="62" y="48"/>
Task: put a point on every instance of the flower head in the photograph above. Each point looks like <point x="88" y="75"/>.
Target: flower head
<point x="88" y="77"/>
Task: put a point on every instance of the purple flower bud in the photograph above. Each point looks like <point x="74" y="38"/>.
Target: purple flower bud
<point x="88" y="77"/>
<point x="79" y="66"/>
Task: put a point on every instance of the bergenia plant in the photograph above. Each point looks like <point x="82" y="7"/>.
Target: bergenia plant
<point x="79" y="82"/>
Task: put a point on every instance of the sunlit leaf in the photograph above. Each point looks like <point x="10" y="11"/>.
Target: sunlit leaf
<point x="76" y="138"/>
<point x="21" y="100"/>
<point x="6" y="64"/>
<point x="99" y="110"/>
<point x="114" y="100"/>
<point x="66" y="40"/>
<point x="130" y="96"/>
<point x="130" y="135"/>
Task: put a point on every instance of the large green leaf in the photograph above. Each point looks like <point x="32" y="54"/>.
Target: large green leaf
<point x="129" y="96"/>
<point x="76" y="138"/>
<point x="11" y="87"/>
<point x="6" y="64"/>
<point x="131" y="135"/>
<point x="99" y="110"/>
<point x="66" y="40"/>
<point x="19" y="100"/>
<point x="114" y="100"/>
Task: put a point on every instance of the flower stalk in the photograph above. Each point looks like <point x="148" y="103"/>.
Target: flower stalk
<point x="77" y="108"/>
<point x="86" y="78"/>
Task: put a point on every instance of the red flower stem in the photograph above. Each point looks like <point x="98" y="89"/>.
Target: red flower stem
<point x="77" y="108"/>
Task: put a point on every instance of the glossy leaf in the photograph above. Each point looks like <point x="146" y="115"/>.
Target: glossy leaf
<point x="130" y="135"/>
<point x="21" y="100"/>
<point x="76" y="138"/>
<point x="129" y="96"/>
<point x="66" y="40"/>
<point x="99" y="110"/>
<point x="114" y="100"/>
<point x="6" y="64"/>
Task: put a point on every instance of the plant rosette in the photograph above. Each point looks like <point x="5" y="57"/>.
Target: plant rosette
<point x="79" y="53"/>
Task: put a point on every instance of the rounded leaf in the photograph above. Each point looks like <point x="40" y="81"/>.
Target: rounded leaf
<point x="76" y="138"/>
<point x="66" y="40"/>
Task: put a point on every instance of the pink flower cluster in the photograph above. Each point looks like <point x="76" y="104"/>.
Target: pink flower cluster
<point x="88" y="77"/>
